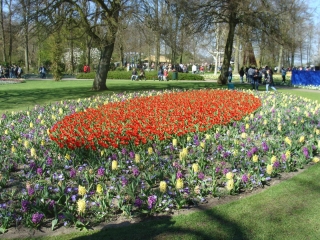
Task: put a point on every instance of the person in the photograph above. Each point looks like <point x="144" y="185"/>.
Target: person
<point x="85" y="68"/>
<point x="283" y="74"/>
<point x="141" y="74"/>
<point x="230" y="74"/>
<point x="194" y="69"/>
<point x="160" y="73"/>
<point x="201" y="69"/>
<point x="256" y="76"/>
<point x="134" y="75"/>
<point x="241" y="73"/>
<point x="269" y="80"/>
<point x="250" y="74"/>
<point x="19" y="72"/>
<point x="42" y="71"/>
<point x="165" y="75"/>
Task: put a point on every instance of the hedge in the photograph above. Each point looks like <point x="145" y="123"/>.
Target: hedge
<point x="149" y="75"/>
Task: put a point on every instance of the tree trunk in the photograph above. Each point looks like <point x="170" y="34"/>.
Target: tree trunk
<point x="100" y="80"/>
<point x="280" y="58"/>
<point x="223" y="78"/>
<point x="3" y="36"/>
<point x="237" y="55"/>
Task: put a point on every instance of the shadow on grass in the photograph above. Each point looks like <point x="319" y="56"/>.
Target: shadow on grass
<point x="165" y="227"/>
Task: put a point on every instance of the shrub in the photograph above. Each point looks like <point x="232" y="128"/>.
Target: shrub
<point x="152" y="75"/>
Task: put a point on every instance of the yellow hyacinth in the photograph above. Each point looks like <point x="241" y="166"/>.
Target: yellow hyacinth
<point x="31" y="125"/>
<point x="255" y="158"/>
<point x="137" y="158"/>
<point x="273" y="159"/>
<point x="230" y="185"/>
<point x="82" y="190"/>
<point x="208" y="136"/>
<point x="13" y="149"/>
<point x="315" y="160"/>
<point x="229" y="175"/>
<point x="114" y="165"/>
<point x="188" y="139"/>
<point x="163" y="186"/>
<point x="243" y="135"/>
<point x="33" y="152"/>
<point x="60" y="111"/>
<point x="48" y="131"/>
<point x="174" y="142"/>
<point x="150" y="150"/>
<point x="43" y="142"/>
<point x="81" y="206"/>
<point x="101" y="153"/>
<point x="288" y="154"/>
<point x="236" y="142"/>
<point x="279" y="128"/>
<point x="301" y="140"/>
<point x="235" y="153"/>
<point x="54" y="117"/>
<point x="99" y="189"/>
<point x="67" y="156"/>
<point x="265" y="122"/>
<point x="269" y="169"/>
<point x="247" y="126"/>
<point x="179" y="183"/>
<point x="26" y="144"/>
<point x="6" y="132"/>
<point x="195" y="167"/>
<point x="246" y="119"/>
<point x="288" y="140"/>
<point x="317" y="131"/>
<point x="197" y="190"/>
<point x="202" y="144"/>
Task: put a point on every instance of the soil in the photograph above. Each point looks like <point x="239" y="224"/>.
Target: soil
<point x="22" y="232"/>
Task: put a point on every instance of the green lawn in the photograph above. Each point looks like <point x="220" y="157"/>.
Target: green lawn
<point x="288" y="210"/>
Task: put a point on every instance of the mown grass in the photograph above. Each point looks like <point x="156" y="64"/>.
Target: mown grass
<point x="288" y="210"/>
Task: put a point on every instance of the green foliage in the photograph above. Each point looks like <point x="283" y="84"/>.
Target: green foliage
<point x="152" y="75"/>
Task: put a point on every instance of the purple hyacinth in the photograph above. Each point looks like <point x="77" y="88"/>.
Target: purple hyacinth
<point x="217" y="169"/>
<point x="225" y="171"/>
<point x="244" y="178"/>
<point x="138" y="202"/>
<point x="51" y="204"/>
<point x="265" y="147"/>
<point x="124" y="181"/>
<point x="242" y="129"/>
<point x="31" y="191"/>
<point x="100" y="172"/>
<point x="32" y="166"/>
<point x="114" y="156"/>
<point x="219" y="148"/>
<point x="39" y="171"/>
<point x="283" y="157"/>
<point x="37" y="217"/>
<point x="25" y="205"/>
<point x="73" y="173"/>
<point x="276" y="164"/>
<point x="131" y="154"/>
<point x="135" y="172"/>
<point x="124" y="151"/>
<point x="49" y="161"/>
<point x="179" y="174"/>
<point x="305" y="152"/>
<point x="249" y="154"/>
<point x="201" y="175"/>
<point x="151" y="201"/>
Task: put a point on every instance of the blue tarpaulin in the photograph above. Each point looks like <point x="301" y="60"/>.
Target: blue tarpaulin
<point x="305" y="78"/>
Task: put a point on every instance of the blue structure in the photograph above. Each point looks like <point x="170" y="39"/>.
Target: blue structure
<point x="305" y="78"/>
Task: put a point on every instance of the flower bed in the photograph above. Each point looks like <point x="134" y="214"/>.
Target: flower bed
<point x="88" y="179"/>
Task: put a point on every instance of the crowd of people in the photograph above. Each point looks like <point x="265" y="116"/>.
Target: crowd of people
<point x="13" y="71"/>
